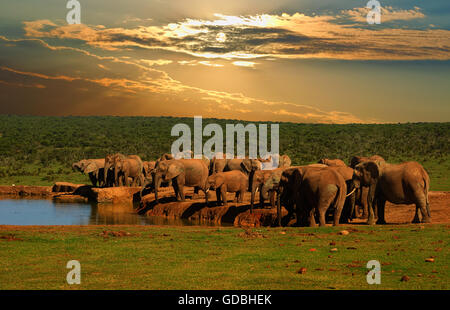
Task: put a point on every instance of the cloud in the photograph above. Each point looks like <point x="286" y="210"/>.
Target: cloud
<point x="248" y="64"/>
<point x="139" y="90"/>
<point x="388" y="14"/>
<point x="280" y="36"/>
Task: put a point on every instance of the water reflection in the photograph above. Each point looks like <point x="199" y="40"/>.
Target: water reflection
<point x="47" y="212"/>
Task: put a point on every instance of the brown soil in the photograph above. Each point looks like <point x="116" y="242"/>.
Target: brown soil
<point x="239" y="213"/>
<point x="22" y="191"/>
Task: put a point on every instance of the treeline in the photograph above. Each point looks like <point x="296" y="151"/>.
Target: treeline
<point x="34" y="145"/>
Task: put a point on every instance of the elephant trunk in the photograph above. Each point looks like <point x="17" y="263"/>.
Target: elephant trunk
<point x="265" y="192"/>
<point x="157" y="184"/>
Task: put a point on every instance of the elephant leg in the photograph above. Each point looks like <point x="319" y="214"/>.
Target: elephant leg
<point x="261" y="199"/>
<point x="278" y="209"/>
<point x="381" y="205"/>
<point x="312" y="218"/>
<point x="240" y="196"/>
<point x="223" y="193"/>
<point x="421" y="204"/>
<point x="337" y="214"/>
<point x="363" y="201"/>
<point x="176" y="190"/>
<point x="218" y="196"/>
<point x="181" y="189"/>
<point x="93" y="179"/>
<point x="252" y="201"/>
<point x="206" y="191"/>
<point x="272" y="199"/>
<point x="416" y="219"/>
<point x="370" y="205"/>
<point x="322" y="212"/>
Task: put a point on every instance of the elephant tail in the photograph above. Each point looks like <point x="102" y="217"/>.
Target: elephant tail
<point x="426" y="182"/>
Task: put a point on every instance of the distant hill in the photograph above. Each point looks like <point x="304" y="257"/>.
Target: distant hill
<point x="41" y="149"/>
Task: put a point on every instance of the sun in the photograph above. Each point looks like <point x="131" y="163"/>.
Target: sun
<point x="221" y="37"/>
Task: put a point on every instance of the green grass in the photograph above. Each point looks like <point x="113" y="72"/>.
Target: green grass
<point x="38" y="150"/>
<point x="224" y="258"/>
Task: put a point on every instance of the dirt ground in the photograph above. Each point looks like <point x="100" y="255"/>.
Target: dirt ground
<point x="239" y="213"/>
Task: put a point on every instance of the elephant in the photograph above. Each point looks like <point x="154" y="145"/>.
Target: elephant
<point x="332" y="162"/>
<point x="228" y="182"/>
<point x="94" y="168"/>
<point x="245" y="165"/>
<point x="284" y="161"/>
<point x="356" y="160"/>
<point x="110" y="161"/>
<point x="256" y="181"/>
<point x="316" y="189"/>
<point x="182" y="172"/>
<point x="349" y="206"/>
<point x="362" y="193"/>
<point x="405" y="183"/>
<point x="284" y="194"/>
<point x="126" y="167"/>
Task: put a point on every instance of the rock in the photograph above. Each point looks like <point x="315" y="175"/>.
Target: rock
<point x="404" y="279"/>
<point x="65" y="187"/>
<point x="344" y="232"/>
<point x="114" y="194"/>
<point x="334" y="250"/>
<point x="429" y="260"/>
<point x="301" y="270"/>
<point x="23" y="191"/>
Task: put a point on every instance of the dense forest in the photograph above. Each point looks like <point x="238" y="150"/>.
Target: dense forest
<point x="40" y="150"/>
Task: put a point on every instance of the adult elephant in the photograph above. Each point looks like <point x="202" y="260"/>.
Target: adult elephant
<point x="332" y="162"/>
<point x="406" y="183"/>
<point x="182" y="172"/>
<point x="94" y="168"/>
<point x="126" y="167"/>
<point x="363" y="192"/>
<point x="317" y="189"/>
<point x="279" y="185"/>
<point x="110" y="161"/>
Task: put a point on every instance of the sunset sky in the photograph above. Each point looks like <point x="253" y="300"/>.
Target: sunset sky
<point x="285" y="60"/>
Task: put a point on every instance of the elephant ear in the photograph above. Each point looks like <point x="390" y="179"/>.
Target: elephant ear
<point x="173" y="171"/>
<point x="247" y="165"/>
<point x="373" y="169"/>
<point x="90" y="168"/>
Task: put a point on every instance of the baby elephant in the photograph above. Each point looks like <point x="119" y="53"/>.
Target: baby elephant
<point x="232" y="182"/>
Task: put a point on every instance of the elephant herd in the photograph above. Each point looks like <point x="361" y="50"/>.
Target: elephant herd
<point x="358" y="190"/>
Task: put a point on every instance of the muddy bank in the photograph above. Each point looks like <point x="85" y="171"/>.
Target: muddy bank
<point x="239" y="214"/>
<point x="27" y="191"/>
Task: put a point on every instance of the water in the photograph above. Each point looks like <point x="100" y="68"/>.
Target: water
<point x="47" y="212"/>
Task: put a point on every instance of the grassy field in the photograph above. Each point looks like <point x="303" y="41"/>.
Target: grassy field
<point x="36" y="150"/>
<point x="152" y="257"/>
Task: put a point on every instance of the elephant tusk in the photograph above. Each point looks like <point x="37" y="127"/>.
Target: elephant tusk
<point x="257" y="189"/>
<point x="351" y="193"/>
